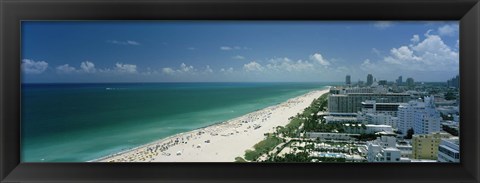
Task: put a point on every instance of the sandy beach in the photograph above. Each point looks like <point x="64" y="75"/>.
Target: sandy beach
<point x="220" y="142"/>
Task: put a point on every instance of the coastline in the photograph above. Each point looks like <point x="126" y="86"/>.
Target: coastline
<point x="213" y="143"/>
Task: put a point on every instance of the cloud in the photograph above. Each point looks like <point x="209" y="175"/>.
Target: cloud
<point x="33" y="67"/>
<point x="168" y="70"/>
<point x="228" y="48"/>
<point x="429" y="54"/>
<point x="191" y="48"/>
<point x="238" y="57"/>
<point x="382" y="24"/>
<point x="279" y="65"/>
<point x="376" y="51"/>
<point x="150" y="71"/>
<point x="285" y="64"/>
<point x="208" y="69"/>
<point x="367" y="65"/>
<point x="87" y="67"/>
<point x="185" y="68"/>
<point x="66" y="69"/>
<point x="252" y="66"/>
<point x="448" y="30"/>
<point x="319" y="58"/>
<point x="415" y="38"/>
<point x="229" y="70"/>
<point x="401" y="54"/>
<point x="127" y="42"/>
<point x="125" y="68"/>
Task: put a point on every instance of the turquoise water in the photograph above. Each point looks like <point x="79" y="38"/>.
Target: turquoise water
<point x="81" y="122"/>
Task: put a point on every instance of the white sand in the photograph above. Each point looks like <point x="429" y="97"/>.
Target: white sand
<point x="222" y="142"/>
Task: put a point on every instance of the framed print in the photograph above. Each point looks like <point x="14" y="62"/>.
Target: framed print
<point x="239" y="91"/>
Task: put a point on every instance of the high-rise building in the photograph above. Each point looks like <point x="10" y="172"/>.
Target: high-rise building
<point x="371" y="106"/>
<point x="399" y="80"/>
<point x="348" y="80"/>
<point x="352" y="102"/>
<point x="410" y="82"/>
<point x="426" y="146"/>
<point x="421" y="116"/>
<point x="454" y="82"/>
<point x="369" y="79"/>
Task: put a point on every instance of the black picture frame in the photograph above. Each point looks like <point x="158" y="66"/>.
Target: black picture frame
<point x="12" y="12"/>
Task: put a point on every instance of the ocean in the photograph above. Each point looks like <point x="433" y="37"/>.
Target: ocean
<point x="82" y="122"/>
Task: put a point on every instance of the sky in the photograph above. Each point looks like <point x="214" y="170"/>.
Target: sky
<point x="237" y="51"/>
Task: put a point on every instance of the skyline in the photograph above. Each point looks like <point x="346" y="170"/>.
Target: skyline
<point x="246" y="51"/>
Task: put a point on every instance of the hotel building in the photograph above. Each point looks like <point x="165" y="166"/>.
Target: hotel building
<point x="381" y="119"/>
<point x="352" y="102"/>
<point x="421" y="116"/>
<point x="426" y="146"/>
<point x="372" y="107"/>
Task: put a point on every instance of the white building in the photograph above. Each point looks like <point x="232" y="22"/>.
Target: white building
<point x="381" y="119"/>
<point x="384" y="149"/>
<point x="406" y="113"/>
<point x="448" y="150"/>
<point x="421" y="116"/>
<point x="367" y="129"/>
<point x="388" y="155"/>
<point x="342" y="119"/>
<point x="428" y="120"/>
<point x="405" y="150"/>
<point x="374" y="107"/>
<point x="378" y="128"/>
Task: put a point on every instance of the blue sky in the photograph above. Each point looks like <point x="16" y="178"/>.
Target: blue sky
<point x="237" y="51"/>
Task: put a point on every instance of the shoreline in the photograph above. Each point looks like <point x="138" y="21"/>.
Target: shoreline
<point x="209" y="143"/>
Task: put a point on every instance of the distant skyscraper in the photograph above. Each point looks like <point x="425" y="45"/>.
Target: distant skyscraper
<point x="399" y="80"/>
<point x="454" y="82"/>
<point x="369" y="79"/>
<point x="410" y="82"/>
<point x="347" y="80"/>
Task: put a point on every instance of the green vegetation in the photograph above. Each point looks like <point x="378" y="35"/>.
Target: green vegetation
<point x="324" y="127"/>
<point x="446" y="117"/>
<point x="262" y="147"/>
<point x="312" y="123"/>
<point x="240" y="160"/>
<point x="410" y="133"/>
<point x="291" y="129"/>
<point x="302" y="157"/>
<point x="450" y="96"/>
